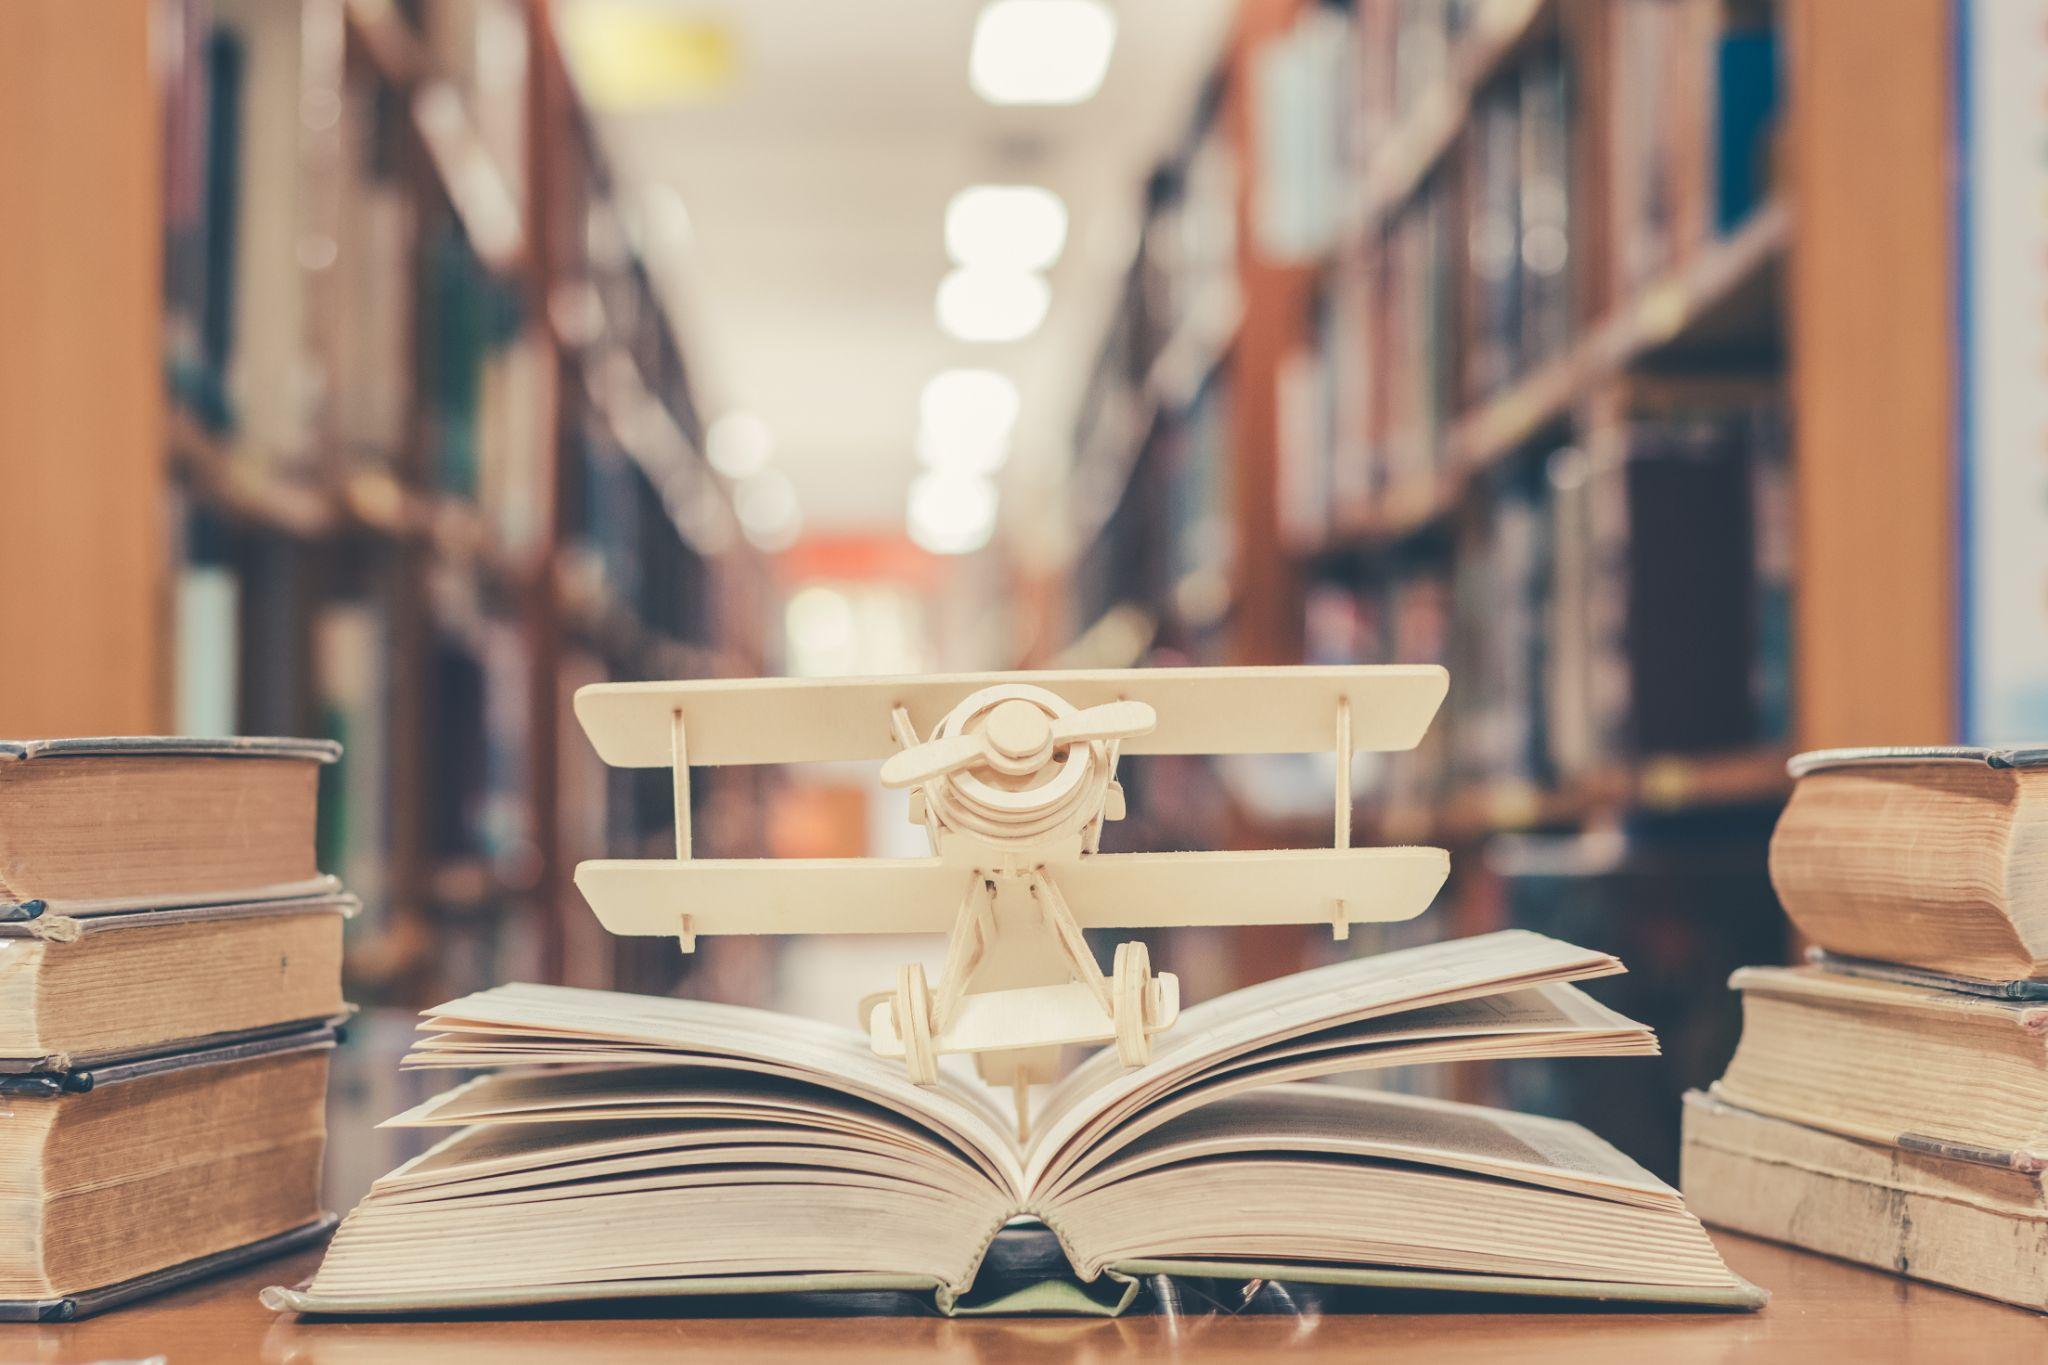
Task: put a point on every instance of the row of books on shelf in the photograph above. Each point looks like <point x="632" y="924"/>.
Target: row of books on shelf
<point x="1623" y="596"/>
<point x="355" y="293"/>
<point x="1484" y="269"/>
<point x="1693" y="122"/>
<point x="1153" y="436"/>
<point x="1356" y="105"/>
<point x="1188" y="254"/>
<point x="348" y="283"/>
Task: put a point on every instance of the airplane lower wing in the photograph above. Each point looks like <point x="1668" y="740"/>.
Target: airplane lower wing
<point x="775" y="895"/>
<point x="921" y="895"/>
<point x="1269" y="886"/>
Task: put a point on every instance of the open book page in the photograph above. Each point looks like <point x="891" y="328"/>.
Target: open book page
<point x="1553" y="1020"/>
<point x="644" y="1092"/>
<point x="1533" y="1012"/>
<point x="1345" y="1122"/>
<point x="547" y="1212"/>
<point x="675" y="1108"/>
<point x="1100" y="1093"/>
<point x="529" y="1025"/>
<point x="690" y="1094"/>
<point x="505" y="1163"/>
<point x="751" y="1171"/>
<point x="1344" y="1177"/>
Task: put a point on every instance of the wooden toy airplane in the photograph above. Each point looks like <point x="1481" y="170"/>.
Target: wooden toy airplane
<point x="1013" y="775"/>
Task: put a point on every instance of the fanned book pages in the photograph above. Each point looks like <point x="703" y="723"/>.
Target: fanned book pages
<point x="625" y="1146"/>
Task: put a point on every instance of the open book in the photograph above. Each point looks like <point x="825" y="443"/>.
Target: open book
<point x="671" y="1147"/>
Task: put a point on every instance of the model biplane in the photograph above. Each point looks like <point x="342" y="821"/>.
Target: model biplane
<point x="1013" y="775"/>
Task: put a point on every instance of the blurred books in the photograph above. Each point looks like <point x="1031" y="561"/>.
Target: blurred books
<point x="438" y="455"/>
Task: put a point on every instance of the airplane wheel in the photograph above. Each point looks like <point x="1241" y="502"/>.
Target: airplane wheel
<point x="913" y="1006"/>
<point x="1129" y="984"/>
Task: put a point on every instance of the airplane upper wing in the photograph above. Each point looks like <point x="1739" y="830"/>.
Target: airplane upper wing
<point x="1281" y="710"/>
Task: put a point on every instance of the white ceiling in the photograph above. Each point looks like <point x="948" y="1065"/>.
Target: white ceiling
<point x="815" y="188"/>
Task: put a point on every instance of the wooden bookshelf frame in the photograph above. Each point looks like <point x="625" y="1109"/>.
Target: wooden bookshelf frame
<point x="82" y="470"/>
<point x="1873" y="371"/>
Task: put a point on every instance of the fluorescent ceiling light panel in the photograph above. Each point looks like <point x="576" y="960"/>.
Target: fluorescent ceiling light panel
<point x="965" y="418"/>
<point x="951" y="514"/>
<point x="1007" y="227"/>
<point x="992" y="305"/>
<point x="738" y="445"/>
<point x="963" y="455"/>
<point x="1041" y="51"/>
<point x="968" y="404"/>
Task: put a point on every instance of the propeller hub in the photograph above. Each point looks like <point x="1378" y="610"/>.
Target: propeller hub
<point x="1018" y="729"/>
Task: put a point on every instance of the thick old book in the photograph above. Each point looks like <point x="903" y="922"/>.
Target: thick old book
<point x="1932" y="857"/>
<point x="112" y="1174"/>
<point x="200" y="822"/>
<point x="1944" y="1072"/>
<point x="79" y="990"/>
<point x="628" y="1146"/>
<point x="1963" y="1224"/>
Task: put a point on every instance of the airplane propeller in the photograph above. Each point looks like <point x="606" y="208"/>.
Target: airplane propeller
<point x="1016" y="738"/>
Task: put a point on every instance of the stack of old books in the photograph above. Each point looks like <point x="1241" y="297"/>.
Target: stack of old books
<point x="1889" y="1102"/>
<point x="170" y="977"/>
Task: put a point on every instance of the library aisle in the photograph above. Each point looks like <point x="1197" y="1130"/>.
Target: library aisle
<point x="1671" y="371"/>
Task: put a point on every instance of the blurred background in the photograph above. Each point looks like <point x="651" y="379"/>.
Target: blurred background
<point x="1671" y="370"/>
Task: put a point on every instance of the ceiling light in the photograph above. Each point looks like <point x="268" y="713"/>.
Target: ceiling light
<point x="963" y="455"/>
<point x="964" y="420"/>
<point x="968" y="404"/>
<point x="1040" y="51"/>
<point x="767" y="508"/>
<point x="819" y="625"/>
<point x="738" y="445"/>
<point x="1014" y="227"/>
<point x="951" y="514"/>
<point x="976" y="304"/>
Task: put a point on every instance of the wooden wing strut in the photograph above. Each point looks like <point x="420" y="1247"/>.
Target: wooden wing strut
<point x="1340" y="925"/>
<point x="679" y="757"/>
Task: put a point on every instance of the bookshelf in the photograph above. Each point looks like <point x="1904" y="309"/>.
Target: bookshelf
<point x="1487" y="255"/>
<point x="1714" y="310"/>
<point x="432" y="454"/>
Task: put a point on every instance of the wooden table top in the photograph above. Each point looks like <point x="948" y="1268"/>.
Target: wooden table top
<point x="1820" y="1309"/>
